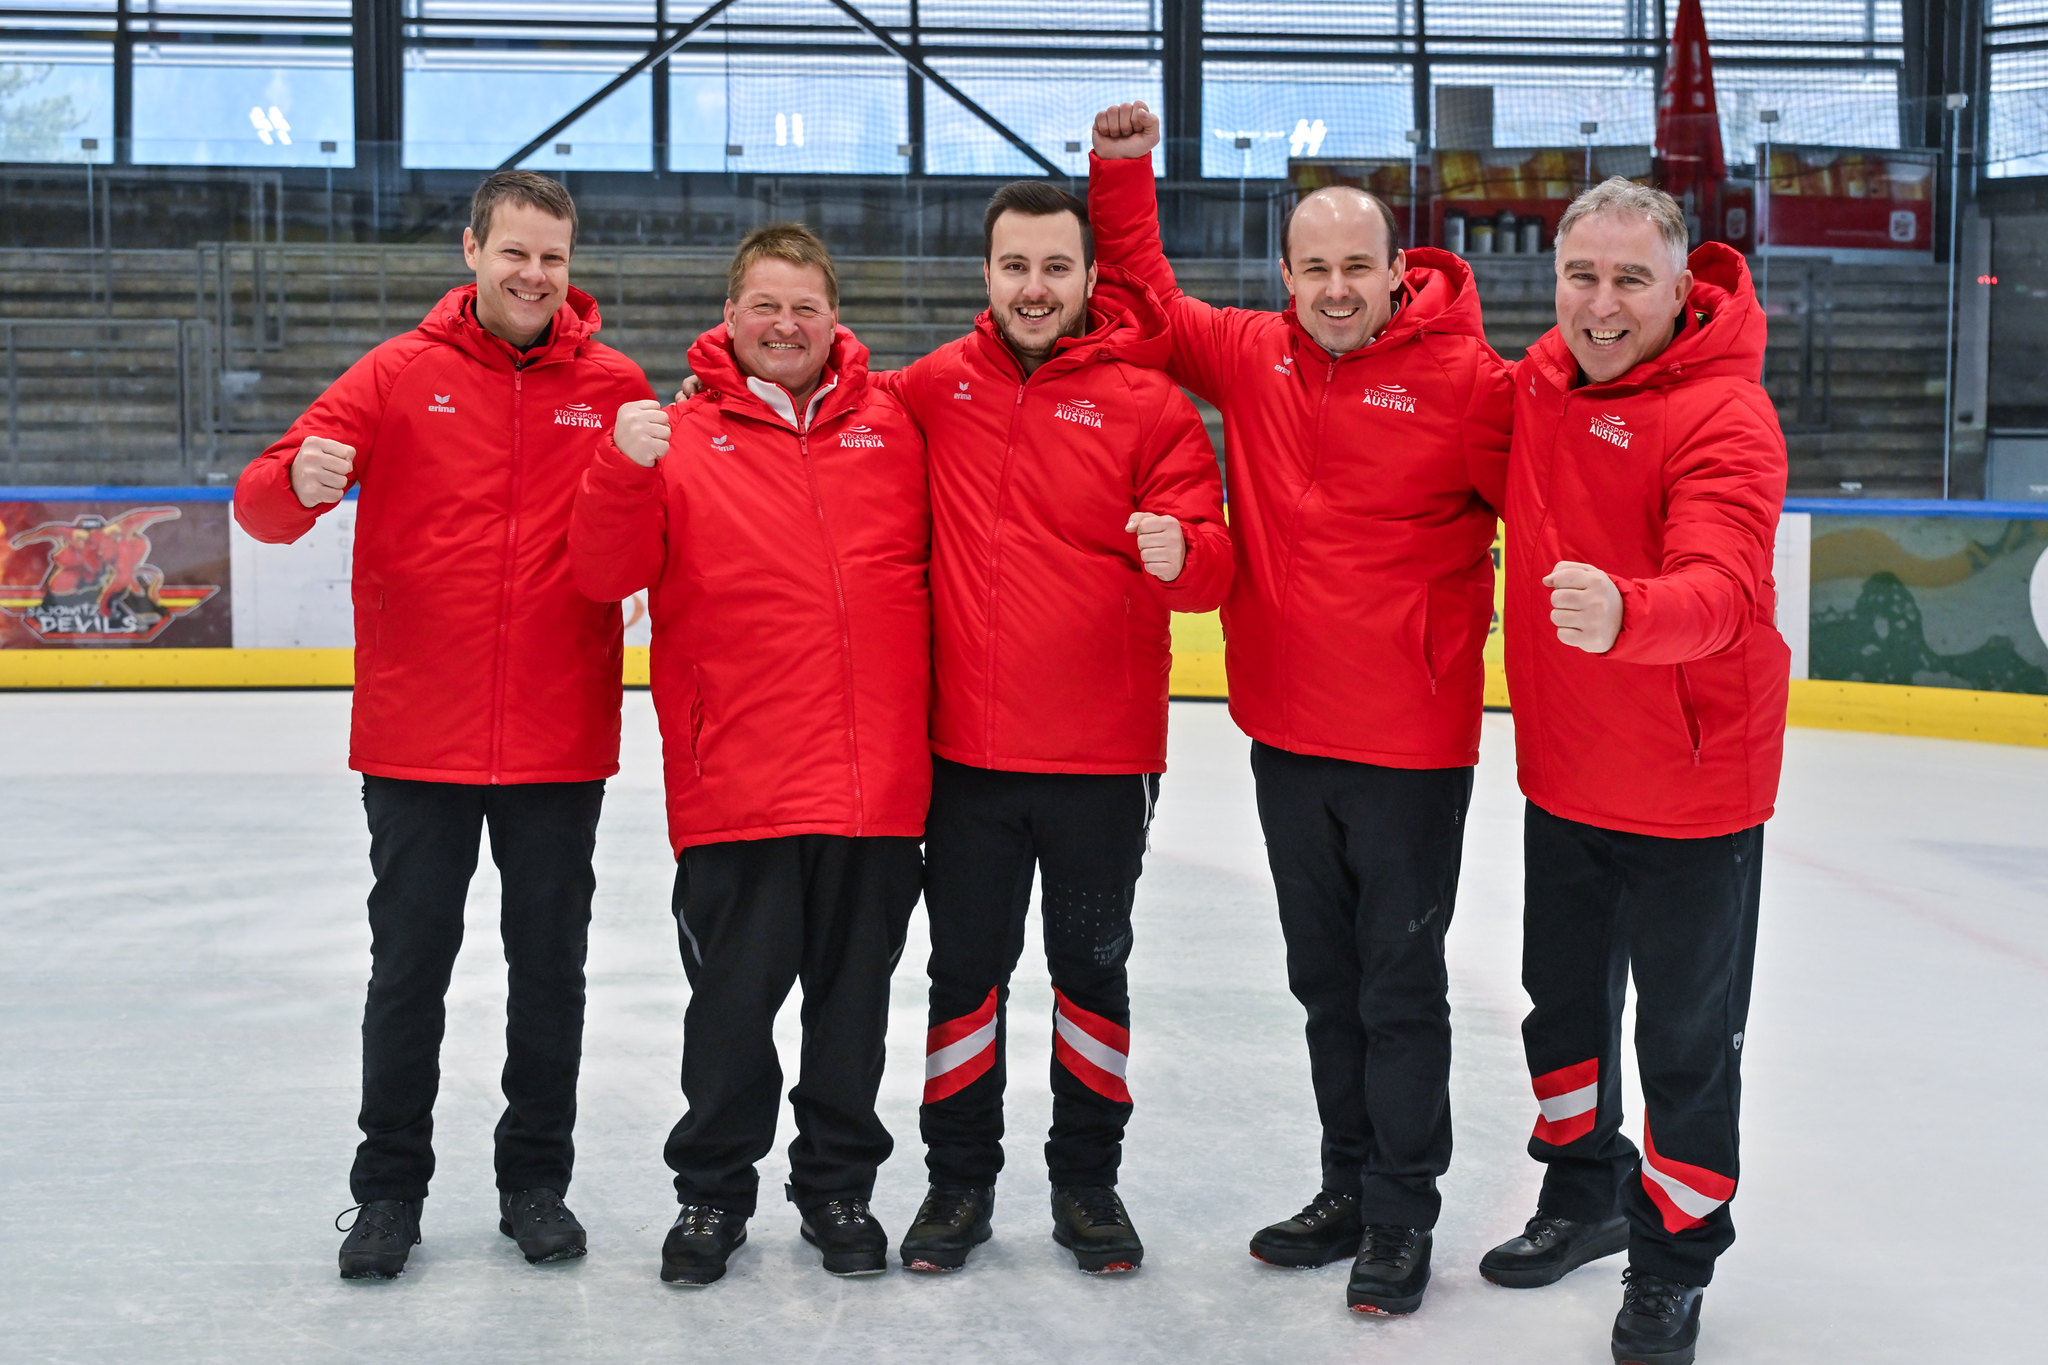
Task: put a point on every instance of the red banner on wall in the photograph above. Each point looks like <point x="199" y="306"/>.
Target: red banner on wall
<point x="104" y="572"/>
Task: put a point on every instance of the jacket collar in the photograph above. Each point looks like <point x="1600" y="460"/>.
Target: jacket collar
<point x="453" y="320"/>
<point x="1126" y="321"/>
<point x="842" y="388"/>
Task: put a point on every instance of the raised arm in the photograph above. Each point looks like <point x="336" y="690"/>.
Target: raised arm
<point x="1180" y="498"/>
<point x="618" y="529"/>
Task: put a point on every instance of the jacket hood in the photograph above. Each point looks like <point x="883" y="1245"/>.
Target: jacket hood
<point x="712" y="360"/>
<point x="1724" y="332"/>
<point x="1126" y="322"/>
<point x="453" y="320"/>
<point x="1438" y="295"/>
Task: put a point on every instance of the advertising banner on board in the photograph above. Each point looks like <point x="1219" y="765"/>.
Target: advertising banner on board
<point x="114" y="572"/>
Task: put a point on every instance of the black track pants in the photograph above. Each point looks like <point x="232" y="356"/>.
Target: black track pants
<point x="1084" y="833"/>
<point x="423" y="851"/>
<point x="1682" y="915"/>
<point x="1365" y="867"/>
<point x="753" y="918"/>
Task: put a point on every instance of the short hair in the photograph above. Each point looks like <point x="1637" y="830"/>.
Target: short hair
<point x="791" y="242"/>
<point x="530" y="188"/>
<point x="1386" y="216"/>
<point x="1615" y="195"/>
<point x="1035" y="199"/>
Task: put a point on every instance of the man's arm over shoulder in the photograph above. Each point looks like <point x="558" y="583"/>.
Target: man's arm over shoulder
<point x="618" y="527"/>
<point x="346" y="416"/>
<point x="1725" y="487"/>
<point x="1178" y="477"/>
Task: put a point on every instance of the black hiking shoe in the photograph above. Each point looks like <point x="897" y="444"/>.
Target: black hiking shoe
<point x="1327" y="1229"/>
<point x="542" y="1225"/>
<point x="1659" y="1322"/>
<point x="847" y="1236"/>
<point x="1550" y="1249"/>
<point x="699" y="1243"/>
<point x="951" y="1222"/>
<point x="383" y="1235"/>
<point x="1089" y="1220"/>
<point x="1391" y="1271"/>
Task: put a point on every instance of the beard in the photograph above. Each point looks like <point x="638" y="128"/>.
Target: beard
<point x="1075" y="325"/>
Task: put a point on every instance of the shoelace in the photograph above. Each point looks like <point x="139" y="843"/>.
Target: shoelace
<point x="1542" y="1230"/>
<point x="842" y="1212"/>
<point x="1099" y="1205"/>
<point x="543" y="1206"/>
<point x="1386" y="1244"/>
<point x="701" y="1220"/>
<point x="379" y="1219"/>
<point x="946" y="1204"/>
<point x="1324" y="1208"/>
<point x="1650" y="1296"/>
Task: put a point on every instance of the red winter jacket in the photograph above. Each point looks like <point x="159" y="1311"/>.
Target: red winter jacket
<point x="1670" y="479"/>
<point x="1050" y="643"/>
<point x="477" y="660"/>
<point x="792" y="623"/>
<point x="1362" y="497"/>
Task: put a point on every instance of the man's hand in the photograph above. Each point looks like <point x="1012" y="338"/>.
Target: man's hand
<point x="1161" y="545"/>
<point x="1126" y="130"/>
<point x="690" y="388"/>
<point x="320" y="470"/>
<point x="641" y="433"/>
<point x="1585" y="606"/>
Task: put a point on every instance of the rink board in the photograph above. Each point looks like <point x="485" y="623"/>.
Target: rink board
<point x="1906" y="618"/>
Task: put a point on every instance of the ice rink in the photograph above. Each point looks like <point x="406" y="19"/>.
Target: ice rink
<point x="185" y="952"/>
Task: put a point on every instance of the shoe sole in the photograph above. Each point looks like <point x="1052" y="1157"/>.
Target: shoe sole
<point x="848" y="1264"/>
<point x="1611" y="1244"/>
<point x="944" y="1262"/>
<point x="367" y="1274"/>
<point x="1379" y="1307"/>
<point x="1682" y="1356"/>
<point x="567" y="1253"/>
<point x="697" y="1279"/>
<point x="1101" y="1262"/>
<point x="1304" y="1260"/>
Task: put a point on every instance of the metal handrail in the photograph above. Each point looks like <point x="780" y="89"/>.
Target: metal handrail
<point x="190" y="348"/>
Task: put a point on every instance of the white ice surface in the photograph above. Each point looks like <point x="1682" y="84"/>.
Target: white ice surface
<point x="185" y="950"/>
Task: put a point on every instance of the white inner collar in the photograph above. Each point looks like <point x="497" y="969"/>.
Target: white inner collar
<point x="777" y="397"/>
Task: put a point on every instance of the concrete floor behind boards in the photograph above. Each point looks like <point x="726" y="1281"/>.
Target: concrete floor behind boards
<point x="185" y="950"/>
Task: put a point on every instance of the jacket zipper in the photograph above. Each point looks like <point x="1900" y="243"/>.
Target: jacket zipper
<point x="995" y="554"/>
<point x="1315" y="463"/>
<point x="505" y="587"/>
<point x="1429" y="637"/>
<point x="1685" y="707"/>
<point x="803" y="445"/>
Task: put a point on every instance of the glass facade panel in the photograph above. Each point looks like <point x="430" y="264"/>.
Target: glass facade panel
<point x="1049" y="104"/>
<point x="1301" y="109"/>
<point x="824" y="115"/>
<point x="2016" y="121"/>
<point x="1543" y="106"/>
<point x="53" y="98"/>
<point x="192" y="108"/>
<point x="469" y="110"/>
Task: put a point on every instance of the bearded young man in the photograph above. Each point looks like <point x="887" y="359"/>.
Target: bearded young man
<point x="486" y="692"/>
<point x="1650" y="685"/>
<point x="1075" y="504"/>
<point x="1365" y="441"/>
<point x="780" y="521"/>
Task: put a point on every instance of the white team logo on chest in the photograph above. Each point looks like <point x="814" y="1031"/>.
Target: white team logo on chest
<point x="443" y="402"/>
<point x="860" y="436"/>
<point x="1392" y="397"/>
<point x="577" y="415"/>
<point x="721" y="442"/>
<point x="1078" y="410"/>
<point x="962" y="393"/>
<point x="1286" y="365"/>
<point x="1612" y="429"/>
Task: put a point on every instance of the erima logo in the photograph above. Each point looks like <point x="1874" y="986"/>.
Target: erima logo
<point x="577" y="415"/>
<point x="963" y="393"/>
<point x="721" y="442"/>
<point x="1392" y="397"/>
<point x="860" y="436"/>
<point x="443" y="402"/>
<point x="1286" y="365"/>
<point x="1610" y="428"/>
<point x="1078" y="410"/>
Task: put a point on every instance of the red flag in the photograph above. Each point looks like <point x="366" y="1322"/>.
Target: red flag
<point x="1688" y="123"/>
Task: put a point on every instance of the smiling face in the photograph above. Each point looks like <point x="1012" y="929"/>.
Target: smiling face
<point x="1618" y="293"/>
<point x="522" y="272"/>
<point x="781" y="325"/>
<point x="1341" y="269"/>
<point x="1038" y="282"/>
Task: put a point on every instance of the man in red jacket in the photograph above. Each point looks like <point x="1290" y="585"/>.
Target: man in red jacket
<point x="1075" y="503"/>
<point x="1650" y="685"/>
<point x="781" y="522"/>
<point x="1365" y="439"/>
<point x="487" y="691"/>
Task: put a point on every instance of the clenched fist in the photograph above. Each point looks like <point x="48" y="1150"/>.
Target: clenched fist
<point x="320" y="470"/>
<point x="1161" y="546"/>
<point x="641" y="433"/>
<point x="689" y="388"/>
<point x="1585" y="606"/>
<point x="1126" y="130"/>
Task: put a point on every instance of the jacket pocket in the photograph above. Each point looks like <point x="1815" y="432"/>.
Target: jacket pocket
<point x="1130" y="666"/>
<point x="696" y="721"/>
<point x="1687" y="712"/>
